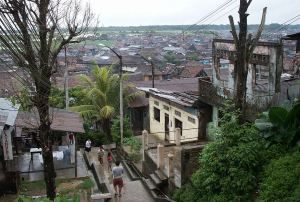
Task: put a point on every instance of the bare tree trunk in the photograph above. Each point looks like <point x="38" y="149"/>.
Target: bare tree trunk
<point x="244" y="49"/>
<point x="30" y="32"/>
<point x="242" y="66"/>
<point x="107" y="129"/>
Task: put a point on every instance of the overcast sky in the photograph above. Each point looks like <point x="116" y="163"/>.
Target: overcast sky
<point x="188" y="12"/>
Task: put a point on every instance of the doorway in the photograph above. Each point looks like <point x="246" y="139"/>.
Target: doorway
<point x="167" y="127"/>
<point x="178" y="124"/>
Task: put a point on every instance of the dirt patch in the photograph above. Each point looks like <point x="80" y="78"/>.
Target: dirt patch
<point x="68" y="185"/>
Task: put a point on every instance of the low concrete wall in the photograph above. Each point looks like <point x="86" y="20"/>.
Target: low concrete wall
<point x="150" y="165"/>
<point x="110" y="146"/>
<point x="103" y="187"/>
<point x="189" y="161"/>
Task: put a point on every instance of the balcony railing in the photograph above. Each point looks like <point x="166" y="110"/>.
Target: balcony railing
<point x="219" y="94"/>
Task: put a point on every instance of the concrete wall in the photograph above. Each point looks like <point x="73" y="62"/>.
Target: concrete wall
<point x="159" y="127"/>
<point x="150" y="165"/>
<point x="189" y="161"/>
<point x="272" y="51"/>
<point x="292" y="93"/>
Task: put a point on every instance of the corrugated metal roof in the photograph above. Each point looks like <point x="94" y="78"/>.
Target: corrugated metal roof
<point x="63" y="120"/>
<point x="170" y="86"/>
<point x="184" y="99"/>
<point x="7" y="107"/>
<point x="3" y="118"/>
<point x="174" y="85"/>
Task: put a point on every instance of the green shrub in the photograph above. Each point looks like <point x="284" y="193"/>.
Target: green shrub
<point x="95" y="136"/>
<point x="57" y="199"/>
<point x="115" y="129"/>
<point x="281" y="179"/>
<point x="135" y="147"/>
<point x="88" y="183"/>
<point x="229" y="166"/>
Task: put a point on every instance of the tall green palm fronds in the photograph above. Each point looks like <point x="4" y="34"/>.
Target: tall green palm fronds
<point x="103" y="93"/>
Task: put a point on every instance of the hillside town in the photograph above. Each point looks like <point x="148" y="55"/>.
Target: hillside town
<point x="173" y="116"/>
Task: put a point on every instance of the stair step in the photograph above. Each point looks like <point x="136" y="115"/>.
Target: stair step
<point x="155" y="179"/>
<point x="160" y="174"/>
<point x="154" y="194"/>
<point x="150" y="184"/>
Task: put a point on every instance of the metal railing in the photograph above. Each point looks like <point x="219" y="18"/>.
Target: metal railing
<point x="214" y="92"/>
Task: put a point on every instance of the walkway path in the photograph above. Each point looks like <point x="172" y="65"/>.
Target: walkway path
<point x="133" y="191"/>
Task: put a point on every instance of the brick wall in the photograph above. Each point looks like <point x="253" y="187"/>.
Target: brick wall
<point x="189" y="161"/>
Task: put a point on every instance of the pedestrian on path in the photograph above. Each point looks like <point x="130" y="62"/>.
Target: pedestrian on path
<point x="109" y="159"/>
<point x="71" y="137"/>
<point x="101" y="153"/>
<point x="116" y="177"/>
<point x="88" y="145"/>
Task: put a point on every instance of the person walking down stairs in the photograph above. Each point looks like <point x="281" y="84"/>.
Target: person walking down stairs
<point x="109" y="160"/>
<point x="101" y="153"/>
<point x="116" y="177"/>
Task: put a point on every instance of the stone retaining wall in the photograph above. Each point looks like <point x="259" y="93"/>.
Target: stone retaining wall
<point x="189" y="161"/>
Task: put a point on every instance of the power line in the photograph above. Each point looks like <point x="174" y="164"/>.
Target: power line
<point x="273" y="30"/>
<point x="211" y="14"/>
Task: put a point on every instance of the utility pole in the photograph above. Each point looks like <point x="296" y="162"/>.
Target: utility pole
<point x="121" y="99"/>
<point x="66" y="80"/>
<point x="152" y="67"/>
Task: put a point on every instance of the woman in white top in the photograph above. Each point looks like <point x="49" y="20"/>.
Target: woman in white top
<point x="88" y="145"/>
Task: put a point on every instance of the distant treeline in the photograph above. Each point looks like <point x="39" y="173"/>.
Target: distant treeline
<point x="160" y="28"/>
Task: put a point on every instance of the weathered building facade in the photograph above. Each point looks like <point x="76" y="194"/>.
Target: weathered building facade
<point x="170" y="110"/>
<point x="265" y="64"/>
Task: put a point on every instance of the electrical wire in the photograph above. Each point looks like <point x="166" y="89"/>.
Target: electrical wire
<point x="283" y="25"/>
<point x="215" y="11"/>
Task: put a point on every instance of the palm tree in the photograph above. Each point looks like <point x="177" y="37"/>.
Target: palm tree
<point x="103" y="93"/>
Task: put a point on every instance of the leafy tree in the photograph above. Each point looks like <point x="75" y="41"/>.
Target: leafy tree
<point x="115" y="129"/>
<point x="228" y="166"/>
<point x="77" y="96"/>
<point x="92" y="63"/>
<point x="194" y="57"/>
<point x="103" y="37"/>
<point x="29" y="30"/>
<point x="98" y="138"/>
<point x="169" y="57"/>
<point x="103" y="96"/>
<point x="58" y="97"/>
<point x="177" y="62"/>
<point x="281" y="179"/>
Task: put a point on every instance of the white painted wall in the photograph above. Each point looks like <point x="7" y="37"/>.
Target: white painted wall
<point x="159" y="127"/>
<point x="214" y="123"/>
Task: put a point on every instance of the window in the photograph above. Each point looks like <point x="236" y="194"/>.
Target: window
<point x="156" y="114"/>
<point x="177" y="113"/>
<point x="156" y="103"/>
<point x="166" y="107"/>
<point x="192" y="120"/>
